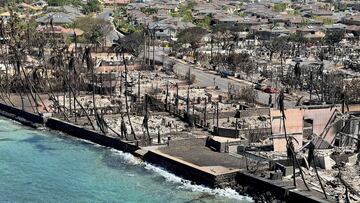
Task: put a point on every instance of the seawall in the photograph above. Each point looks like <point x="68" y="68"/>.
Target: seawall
<point x="23" y="117"/>
<point x="190" y="171"/>
<point x="179" y="167"/>
<point x="93" y="136"/>
<point x="34" y="120"/>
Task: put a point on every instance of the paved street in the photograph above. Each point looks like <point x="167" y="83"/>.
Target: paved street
<point x="205" y="78"/>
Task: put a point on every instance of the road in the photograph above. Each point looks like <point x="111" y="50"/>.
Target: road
<point x="206" y="78"/>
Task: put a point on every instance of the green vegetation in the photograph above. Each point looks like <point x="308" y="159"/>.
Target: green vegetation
<point x="296" y="37"/>
<point x="121" y="24"/>
<point x="92" y="6"/>
<point x="241" y="14"/>
<point x="95" y="29"/>
<point x="10" y="2"/>
<point x="326" y="21"/>
<point x="65" y="2"/>
<point x="189" y="40"/>
<point x="205" y="23"/>
<point x="185" y="11"/>
<point x="296" y="12"/>
<point x="279" y="7"/>
<point x="340" y="6"/>
<point x="334" y="36"/>
<point x="305" y="22"/>
<point x="124" y="26"/>
<point x="187" y="16"/>
<point x="149" y="10"/>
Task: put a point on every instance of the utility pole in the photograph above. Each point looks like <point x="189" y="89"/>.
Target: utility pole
<point x="217" y="115"/>
<point x="211" y="49"/>
<point x="64" y="94"/>
<point x="189" y="77"/>
<point x="153" y="41"/>
<point x="102" y="83"/>
<point x="214" y="113"/>
<point x="75" y="115"/>
<point x="149" y="39"/>
<point x="93" y="86"/>
<point x="111" y="85"/>
<point x="68" y="89"/>
<point x="167" y="93"/>
<point x="311" y="84"/>
<point x="121" y="83"/>
<point x="139" y="77"/>
<point x="145" y="48"/>
<point x="188" y="100"/>
<point x="205" y="112"/>
<point x="177" y="99"/>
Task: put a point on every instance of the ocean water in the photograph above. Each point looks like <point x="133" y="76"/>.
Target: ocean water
<point x="46" y="166"/>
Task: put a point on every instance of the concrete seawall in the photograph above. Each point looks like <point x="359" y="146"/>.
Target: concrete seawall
<point x="179" y="167"/>
<point x="86" y="134"/>
<point x="278" y="189"/>
<point x="190" y="171"/>
<point x="25" y="118"/>
<point x="33" y="120"/>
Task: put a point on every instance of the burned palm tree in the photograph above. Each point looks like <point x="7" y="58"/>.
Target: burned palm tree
<point x="129" y="44"/>
<point x="146" y="117"/>
<point x="18" y="44"/>
<point x="289" y="143"/>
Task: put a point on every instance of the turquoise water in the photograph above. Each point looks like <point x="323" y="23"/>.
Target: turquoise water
<point x="46" y="166"/>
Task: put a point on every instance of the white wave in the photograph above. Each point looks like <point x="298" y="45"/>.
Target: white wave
<point x="127" y="157"/>
<point x="186" y="184"/>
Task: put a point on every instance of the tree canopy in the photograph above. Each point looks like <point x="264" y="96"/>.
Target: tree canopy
<point x="131" y="43"/>
<point x="92" y="6"/>
<point x="191" y="38"/>
<point x="95" y="29"/>
<point x="334" y="36"/>
<point x="65" y="2"/>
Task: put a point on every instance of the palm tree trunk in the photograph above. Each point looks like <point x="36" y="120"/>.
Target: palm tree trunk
<point x="318" y="177"/>
<point x="126" y="98"/>
<point x="81" y="106"/>
<point x="294" y="157"/>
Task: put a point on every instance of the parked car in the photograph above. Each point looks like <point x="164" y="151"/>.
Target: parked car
<point x="260" y="86"/>
<point x="270" y="90"/>
<point x="225" y="74"/>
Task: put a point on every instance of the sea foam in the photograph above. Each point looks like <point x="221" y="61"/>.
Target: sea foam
<point x="183" y="184"/>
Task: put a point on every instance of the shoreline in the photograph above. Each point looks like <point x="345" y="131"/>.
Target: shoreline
<point x="244" y="183"/>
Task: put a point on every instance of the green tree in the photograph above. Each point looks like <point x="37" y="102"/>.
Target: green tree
<point x="95" y="29"/>
<point x="187" y="16"/>
<point x="149" y="10"/>
<point x="65" y="2"/>
<point x="205" y="23"/>
<point x="275" y="45"/>
<point x="190" y="38"/>
<point x="56" y="2"/>
<point x="279" y="7"/>
<point x="92" y="6"/>
<point x="185" y="11"/>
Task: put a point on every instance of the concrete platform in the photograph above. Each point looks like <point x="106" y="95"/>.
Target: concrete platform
<point x="194" y="151"/>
